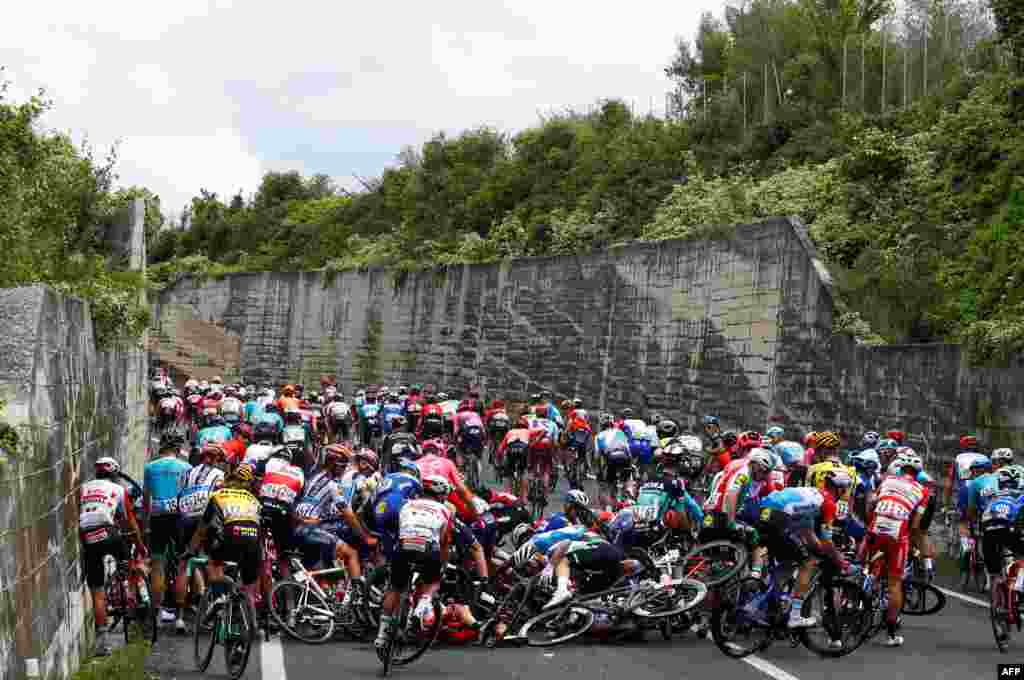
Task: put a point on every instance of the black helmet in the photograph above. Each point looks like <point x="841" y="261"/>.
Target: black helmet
<point x="172" y="440"/>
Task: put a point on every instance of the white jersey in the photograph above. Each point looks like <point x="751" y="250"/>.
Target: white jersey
<point x="257" y="453"/>
<point x="200" y="482"/>
<point x="338" y="411"/>
<point x="422" y="524"/>
<point x="103" y="502"/>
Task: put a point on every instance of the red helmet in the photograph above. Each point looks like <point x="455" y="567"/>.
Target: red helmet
<point x="367" y="456"/>
<point x="898" y="435"/>
<point x="968" y="441"/>
<point x="433" y="446"/>
<point x="749" y="440"/>
<point x="810" y="438"/>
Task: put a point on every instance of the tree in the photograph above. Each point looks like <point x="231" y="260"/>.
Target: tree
<point x="1009" y="16"/>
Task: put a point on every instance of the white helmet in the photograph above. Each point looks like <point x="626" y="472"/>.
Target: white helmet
<point x="762" y="458"/>
<point x="1002" y="454"/>
<point x="577" y="497"/>
<point x="436" y="485"/>
<point x="107" y="465"/>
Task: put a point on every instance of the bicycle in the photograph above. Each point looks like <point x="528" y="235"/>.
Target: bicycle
<point x="127" y="594"/>
<point x="975" y="566"/>
<point x="231" y="623"/>
<point x="757" y="611"/>
<point x="537" y="496"/>
<point x="1004" y="603"/>
<point x="407" y="639"/>
<point x="309" y="612"/>
<point x="949" y="522"/>
<point x="646" y="604"/>
<point x="875" y="584"/>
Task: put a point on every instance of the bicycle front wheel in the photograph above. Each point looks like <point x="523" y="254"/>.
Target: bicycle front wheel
<point x="922" y="599"/>
<point x="999" y="614"/>
<point x="715" y="563"/>
<point x="203" y="642"/>
<point x="413" y="640"/>
<point x="302" y="612"/>
<point x="239" y="636"/>
<point x="844" y="613"/>
<point x="671" y="599"/>
<point x="558" y="625"/>
<point x="738" y="633"/>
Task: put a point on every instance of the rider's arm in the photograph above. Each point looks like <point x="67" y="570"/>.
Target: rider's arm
<point x="476" y="551"/>
<point x="352" y="519"/>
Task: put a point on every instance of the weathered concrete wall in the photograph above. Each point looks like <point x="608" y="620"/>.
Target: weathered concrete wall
<point x="70" y="405"/>
<point x="740" y="327"/>
<point x="694" y="325"/>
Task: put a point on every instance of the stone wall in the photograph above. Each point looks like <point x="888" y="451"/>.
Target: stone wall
<point x="69" y="405"/>
<point x="739" y="326"/>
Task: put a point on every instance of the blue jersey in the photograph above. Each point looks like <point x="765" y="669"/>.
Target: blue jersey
<point x="612" y="445"/>
<point x="252" y="411"/>
<point x="390" y="411"/>
<point x="670" y="495"/>
<point x="214" y="434"/>
<point x="164" y="479"/>
<point x="556" y="521"/>
<point x="981" y="490"/>
<point x="274" y="418"/>
<point x="1002" y="510"/>
<point x="392" y="494"/>
<point x="549" y="539"/>
<point x="369" y="411"/>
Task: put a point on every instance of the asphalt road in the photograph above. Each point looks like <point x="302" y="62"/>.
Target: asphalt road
<point x="956" y="644"/>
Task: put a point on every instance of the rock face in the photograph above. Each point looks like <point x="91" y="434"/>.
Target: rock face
<point x="69" y="405"/>
<point x="739" y="326"/>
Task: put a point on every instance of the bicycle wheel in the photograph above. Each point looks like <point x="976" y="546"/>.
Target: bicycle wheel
<point x="844" y="613"/>
<point x="736" y="631"/>
<point x="670" y="599"/>
<point x="922" y="599"/>
<point x="240" y="635"/>
<point x="416" y="640"/>
<point x="715" y="563"/>
<point x="999" y="615"/>
<point x="557" y="625"/>
<point x="302" y="612"/>
<point x="203" y="649"/>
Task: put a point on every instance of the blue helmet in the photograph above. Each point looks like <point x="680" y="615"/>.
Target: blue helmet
<point x="711" y="420"/>
<point x="409" y="467"/>
<point x="869" y="440"/>
<point x="866" y="461"/>
<point x="775" y="431"/>
<point x="791" y="453"/>
<point x="982" y="463"/>
<point x="887" y="444"/>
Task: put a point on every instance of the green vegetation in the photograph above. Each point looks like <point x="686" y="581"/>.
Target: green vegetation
<point x="56" y="208"/>
<point x="125" y="663"/>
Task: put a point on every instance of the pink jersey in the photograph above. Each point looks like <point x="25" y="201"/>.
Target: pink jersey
<point x="431" y="465"/>
<point x="464" y="419"/>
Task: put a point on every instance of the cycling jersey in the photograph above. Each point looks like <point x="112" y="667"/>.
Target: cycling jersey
<point x="431" y="420"/>
<point x="613" y="446"/>
<point x="669" y="495"/>
<point x="258" y="453"/>
<point x="103" y="504"/>
<point x="466" y="421"/>
<point x="338" y="412"/>
<point x="791" y="453"/>
<point x="556" y="521"/>
<point x="803" y="507"/>
<point x="388" y="413"/>
<point x="230" y="507"/>
<point x="369" y="413"/>
<point x="212" y="435"/>
<point x="322" y="499"/>
<point x="980" y="490"/>
<point x="423" y="525"/>
<point x="1002" y="511"/>
<point x="961" y="474"/>
<point x="643" y="440"/>
<point x="163" y="478"/>
<point x="729" y="489"/>
<point x="274" y="419"/>
<point x="251" y="411"/>
<point x="900" y="497"/>
<point x="357" y="488"/>
<point x="200" y="483"/>
<point x="282" y="483"/>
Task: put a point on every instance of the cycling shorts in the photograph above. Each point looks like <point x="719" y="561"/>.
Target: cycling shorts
<point x="472" y="439"/>
<point x="317" y="545"/>
<point x="93" y="555"/>
<point x="540" y="459"/>
<point x="280" y="526"/>
<point x="603" y="558"/>
<point x="894" y="552"/>
<point x="350" y="537"/>
<point x="163" y="536"/>
<point x="240" y="544"/>
<point x="516" y="460"/>
<point x="616" y="471"/>
<point x="428" y="565"/>
<point x="432" y="427"/>
<point x="961" y="501"/>
<point x="993" y="544"/>
<point x="186" y="530"/>
<point x="780" y="539"/>
<point x="485" y="530"/>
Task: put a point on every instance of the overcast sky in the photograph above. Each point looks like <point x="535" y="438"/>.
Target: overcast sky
<point x="214" y="93"/>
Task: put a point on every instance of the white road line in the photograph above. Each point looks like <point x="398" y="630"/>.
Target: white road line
<point x="769" y="668"/>
<point x="272" y="660"/>
<point x="965" y="598"/>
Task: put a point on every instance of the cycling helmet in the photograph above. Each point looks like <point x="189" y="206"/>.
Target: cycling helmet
<point x="775" y="432"/>
<point x="433" y="447"/>
<point x="577" y="403"/>
<point x="438" y="486"/>
<point x="521" y="534"/>
<point x="910" y="458"/>
<point x="924" y="478"/>
<point x="810" y="438"/>
<point x="729" y="439"/>
<point x="107" y="467"/>
<point x="1002" y="454"/>
<point x="535" y="397"/>
<point x="866" y="461"/>
<point x="399" y="422"/>
<point x="869" y="440"/>
<point x="464" y="405"/>
<point x="840" y="479"/>
<point x="336" y="453"/>
<point x="654" y="419"/>
<point x="761" y="458"/>
<point x="575" y="497"/>
<point x="408" y="467"/>
<point x="826" y="440"/>
<point x="282" y="452"/>
<point x="791" y="453"/>
<point x="982" y="463"/>
<point x="667" y="428"/>
<point x="403" y="390"/>
<point x="887" y="444"/>
<point x="367" y="456"/>
<point x="898" y="435"/>
<point x="606" y="420"/>
<point x="627" y="413"/>
<point x="691" y="444"/>
<point x="288" y="391"/>
<point x="710" y="420"/>
<point x="442" y="396"/>
<point x="171" y="440"/>
<point x="213" y="452"/>
<point x="244" y="473"/>
<point x="968" y="442"/>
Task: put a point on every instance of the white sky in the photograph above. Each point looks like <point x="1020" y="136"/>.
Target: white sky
<point x="214" y="93"/>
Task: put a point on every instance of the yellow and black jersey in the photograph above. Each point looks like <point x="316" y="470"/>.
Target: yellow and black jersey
<point x="229" y="506"/>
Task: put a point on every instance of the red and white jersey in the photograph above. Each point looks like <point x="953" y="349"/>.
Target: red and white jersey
<point x="899" y="499"/>
<point x="727" y="486"/>
<point x="466" y="419"/>
<point x="174" y="406"/>
<point x="422" y="524"/>
<point x="103" y="503"/>
<point x="282" y="482"/>
<point x="431" y="465"/>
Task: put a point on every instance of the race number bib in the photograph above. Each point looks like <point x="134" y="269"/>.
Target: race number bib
<point x="645" y="515"/>
<point x="887" y="526"/>
<point x="193" y="501"/>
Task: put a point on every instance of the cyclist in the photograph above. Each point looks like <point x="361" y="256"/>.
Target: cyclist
<point x="466" y="504"/>
<point x="643" y="443"/>
<point x="712" y="431"/>
<point x="162" y="481"/>
<point x="279" y="488"/>
<point x="235" y="448"/>
<point x="431" y="422"/>
<point x="272" y="416"/>
<point x="289" y="400"/>
<point x="827" y="454"/>
<point x="229" y="532"/>
<point x="612" y="448"/>
<point x="662" y="503"/>
<point x="774" y="435"/>
<point x="214" y="430"/>
<point x="319" y="511"/>
<point x="795" y="524"/>
<point x="400" y="443"/>
<point x="999" y="521"/>
<point x="722" y="454"/>
<point x="977" y="465"/>
<point x="391" y="409"/>
<point x="469" y="429"/>
<point x="266" y="439"/>
<point x="104" y="510"/>
<point x="424" y="537"/>
<point x="200" y="483"/>
<point x="886" y="452"/>
<point x="338" y="417"/>
<point x="383" y="513"/>
<point x="895" y="513"/>
<point x="742" y="481"/>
